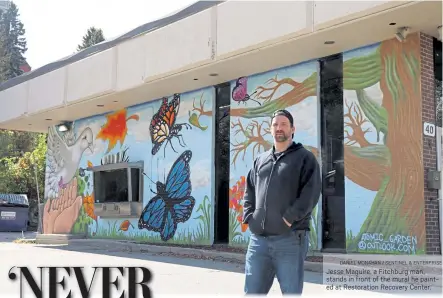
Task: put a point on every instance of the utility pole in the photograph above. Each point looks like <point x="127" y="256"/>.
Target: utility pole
<point x="39" y="226"/>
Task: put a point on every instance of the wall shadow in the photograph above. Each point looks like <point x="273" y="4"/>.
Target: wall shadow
<point x="170" y="258"/>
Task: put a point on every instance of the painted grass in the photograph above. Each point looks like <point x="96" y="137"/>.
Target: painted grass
<point x="240" y="242"/>
<point x="201" y="235"/>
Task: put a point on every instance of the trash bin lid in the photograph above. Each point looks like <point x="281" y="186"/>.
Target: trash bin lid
<point x="14" y="199"/>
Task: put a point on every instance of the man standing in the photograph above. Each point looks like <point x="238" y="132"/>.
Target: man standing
<point x="282" y="189"/>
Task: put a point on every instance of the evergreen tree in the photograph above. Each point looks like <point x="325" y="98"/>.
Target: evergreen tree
<point x="93" y="36"/>
<point x="12" y="43"/>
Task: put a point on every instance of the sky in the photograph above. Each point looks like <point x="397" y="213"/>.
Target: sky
<point x="54" y="28"/>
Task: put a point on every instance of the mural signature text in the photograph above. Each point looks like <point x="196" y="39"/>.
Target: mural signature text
<point x="392" y="243"/>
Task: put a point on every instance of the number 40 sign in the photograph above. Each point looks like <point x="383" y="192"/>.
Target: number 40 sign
<point x="429" y="129"/>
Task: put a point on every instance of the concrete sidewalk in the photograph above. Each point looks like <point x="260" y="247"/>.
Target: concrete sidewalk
<point x="80" y="243"/>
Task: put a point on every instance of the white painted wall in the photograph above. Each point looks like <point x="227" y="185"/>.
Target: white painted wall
<point x="179" y="46"/>
<point x="93" y="76"/>
<point x="46" y="92"/>
<point x="14" y="102"/>
<point x="329" y="13"/>
<point x="246" y="25"/>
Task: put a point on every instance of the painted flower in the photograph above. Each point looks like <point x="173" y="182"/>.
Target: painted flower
<point x="88" y="204"/>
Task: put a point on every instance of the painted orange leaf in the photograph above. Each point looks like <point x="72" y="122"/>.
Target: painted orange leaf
<point x="90" y="165"/>
<point x="115" y="129"/>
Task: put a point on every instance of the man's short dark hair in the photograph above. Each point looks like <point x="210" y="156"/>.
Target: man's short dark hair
<point x="283" y="113"/>
<point x="286" y="114"/>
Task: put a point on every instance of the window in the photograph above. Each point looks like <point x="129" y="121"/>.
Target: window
<point x="118" y="188"/>
<point x="111" y="186"/>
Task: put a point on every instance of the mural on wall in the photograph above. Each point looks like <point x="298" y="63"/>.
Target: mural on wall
<point x="172" y="203"/>
<point x="384" y="184"/>
<point x="253" y="100"/>
<point x="63" y="158"/>
<point x="163" y="127"/>
<point x="240" y="91"/>
<point x="383" y="148"/>
<point x="170" y="214"/>
<point x="115" y="129"/>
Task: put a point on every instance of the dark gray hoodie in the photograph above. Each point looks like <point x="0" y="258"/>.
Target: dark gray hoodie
<point x="286" y="186"/>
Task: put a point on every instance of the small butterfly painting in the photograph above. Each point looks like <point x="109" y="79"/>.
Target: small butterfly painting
<point x="240" y="91"/>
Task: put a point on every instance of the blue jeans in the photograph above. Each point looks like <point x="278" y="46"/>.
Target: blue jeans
<point x="282" y="255"/>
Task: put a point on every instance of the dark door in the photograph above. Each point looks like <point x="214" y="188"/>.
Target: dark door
<point x="221" y="162"/>
<point x="333" y="194"/>
<point x="437" y="81"/>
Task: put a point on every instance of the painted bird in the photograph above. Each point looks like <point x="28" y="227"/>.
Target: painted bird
<point x="63" y="159"/>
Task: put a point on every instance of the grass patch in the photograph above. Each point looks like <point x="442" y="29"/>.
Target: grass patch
<point x="25" y="241"/>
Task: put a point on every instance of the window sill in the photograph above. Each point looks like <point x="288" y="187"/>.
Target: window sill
<point x="118" y="209"/>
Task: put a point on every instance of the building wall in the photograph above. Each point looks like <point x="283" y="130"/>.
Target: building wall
<point x="385" y="202"/>
<point x="429" y="143"/>
<point x="253" y="100"/>
<point x="383" y="146"/>
<point x="69" y="204"/>
<point x="385" y="209"/>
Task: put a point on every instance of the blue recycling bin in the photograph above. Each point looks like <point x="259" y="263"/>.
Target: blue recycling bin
<point x="14" y="216"/>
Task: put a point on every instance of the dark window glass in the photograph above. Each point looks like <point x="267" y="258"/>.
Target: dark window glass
<point x="135" y="183"/>
<point x="111" y="186"/>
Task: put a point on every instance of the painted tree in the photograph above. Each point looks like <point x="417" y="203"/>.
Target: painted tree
<point x="93" y="36"/>
<point x="394" y="168"/>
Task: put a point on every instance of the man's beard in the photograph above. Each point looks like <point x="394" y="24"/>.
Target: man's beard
<point x="281" y="137"/>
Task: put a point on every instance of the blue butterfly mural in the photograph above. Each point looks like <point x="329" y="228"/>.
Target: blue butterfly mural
<point x="172" y="203"/>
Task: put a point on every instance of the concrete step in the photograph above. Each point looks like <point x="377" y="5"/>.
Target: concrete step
<point x="57" y="238"/>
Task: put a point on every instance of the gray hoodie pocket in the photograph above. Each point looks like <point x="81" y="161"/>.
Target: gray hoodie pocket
<point x="255" y="221"/>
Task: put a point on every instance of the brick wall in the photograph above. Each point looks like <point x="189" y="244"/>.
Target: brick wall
<point x="429" y="144"/>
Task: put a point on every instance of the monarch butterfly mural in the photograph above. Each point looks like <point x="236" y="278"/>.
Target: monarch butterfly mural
<point x="163" y="127"/>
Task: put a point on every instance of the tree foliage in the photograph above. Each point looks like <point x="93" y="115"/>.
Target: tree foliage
<point x="12" y="44"/>
<point x="22" y="154"/>
<point x="17" y="173"/>
<point x="93" y="36"/>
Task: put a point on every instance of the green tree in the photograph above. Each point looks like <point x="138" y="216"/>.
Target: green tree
<point x="4" y="57"/>
<point x="93" y="36"/>
<point x="12" y="43"/>
<point x="17" y="173"/>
